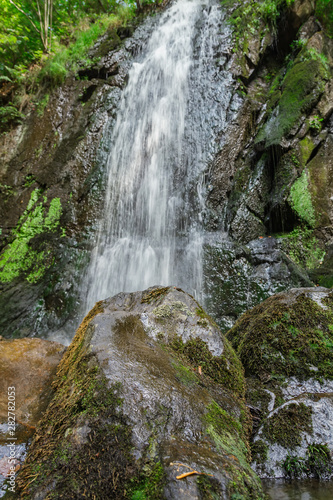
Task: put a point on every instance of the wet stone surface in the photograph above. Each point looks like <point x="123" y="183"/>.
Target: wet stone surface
<point x="178" y="389"/>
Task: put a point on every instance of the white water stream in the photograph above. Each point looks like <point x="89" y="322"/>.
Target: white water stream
<point x="162" y="141"/>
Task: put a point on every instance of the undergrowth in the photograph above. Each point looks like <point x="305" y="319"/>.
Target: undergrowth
<point x="71" y="58"/>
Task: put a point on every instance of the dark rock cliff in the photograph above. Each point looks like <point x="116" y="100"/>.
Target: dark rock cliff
<point x="271" y="182"/>
<point x="268" y="215"/>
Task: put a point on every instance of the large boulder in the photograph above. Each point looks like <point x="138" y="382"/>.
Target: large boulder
<point x="27" y="368"/>
<point x="286" y="347"/>
<point x="148" y="390"/>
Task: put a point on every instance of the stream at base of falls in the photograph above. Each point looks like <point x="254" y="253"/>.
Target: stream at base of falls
<point x="298" y="490"/>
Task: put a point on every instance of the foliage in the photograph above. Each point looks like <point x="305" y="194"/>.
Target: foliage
<point x="70" y="58"/>
<point x="43" y="46"/>
<point x="316" y="123"/>
<point x="319" y="460"/>
<point x="9" y="114"/>
<point x="294" y="467"/>
<point x="250" y="17"/>
<point x="324" y="12"/>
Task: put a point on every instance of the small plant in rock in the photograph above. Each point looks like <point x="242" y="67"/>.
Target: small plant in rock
<point x="294" y="467"/>
<point x="9" y="115"/>
<point x="318" y="463"/>
<point x="316" y="123"/>
<point x="319" y="460"/>
<point x="296" y="45"/>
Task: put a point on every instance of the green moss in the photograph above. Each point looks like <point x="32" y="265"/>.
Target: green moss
<point x="268" y="347"/>
<point x="303" y="248"/>
<point x="225" y="369"/>
<point x="243" y="486"/>
<point x="226" y="432"/>
<point x="300" y="199"/>
<point x="154" y="295"/>
<point x="209" y="488"/>
<point x="229" y="436"/>
<point x="151" y="483"/>
<point x="20" y="255"/>
<point x="170" y="310"/>
<point x="259" y="450"/>
<point x="287" y="425"/>
<point x="300" y="90"/>
<point x="83" y="398"/>
<point x="257" y="395"/>
<point x="185" y="375"/>
<point x="204" y="319"/>
<point x="222" y="421"/>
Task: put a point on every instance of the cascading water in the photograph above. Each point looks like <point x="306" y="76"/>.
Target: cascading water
<point x="163" y="139"/>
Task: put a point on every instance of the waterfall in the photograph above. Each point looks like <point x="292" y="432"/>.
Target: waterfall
<point x="162" y="141"/>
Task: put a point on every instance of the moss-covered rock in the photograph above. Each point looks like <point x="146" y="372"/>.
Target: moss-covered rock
<point x="148" y="390"/>
<point x="286" y="347"/>
<point x="237" y="277"/>
<point x="287" y="335"/>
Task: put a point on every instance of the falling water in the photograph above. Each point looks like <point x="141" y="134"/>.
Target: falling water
<point x="163" y="139"/>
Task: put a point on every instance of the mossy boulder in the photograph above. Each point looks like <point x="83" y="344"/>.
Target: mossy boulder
<point x="148" y="390"/>
<point x="288" y="335"/>
<point x="286" y="347"/>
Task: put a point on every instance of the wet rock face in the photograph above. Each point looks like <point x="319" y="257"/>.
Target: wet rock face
<point x="237" y="277"/>
<point x="27" y="368"/>
<point x="148" y="390"/>
<point x="285" y="346"/>
<point x="57" y="158"/>
<point x="268" y="179"/>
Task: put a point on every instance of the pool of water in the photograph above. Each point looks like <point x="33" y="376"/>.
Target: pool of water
<point x="299" y="490"/>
